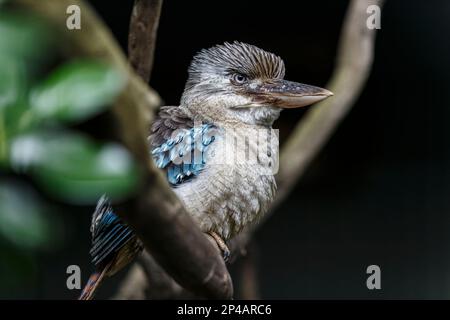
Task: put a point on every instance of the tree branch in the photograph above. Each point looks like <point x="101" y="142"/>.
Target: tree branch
<point x="142" y="37"/>
<point x="156" y="214"/>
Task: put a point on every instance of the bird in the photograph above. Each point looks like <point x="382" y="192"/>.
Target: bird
<point x="217" y="148"/>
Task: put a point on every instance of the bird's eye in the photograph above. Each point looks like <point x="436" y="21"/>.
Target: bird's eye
<point x="238" y="78"/>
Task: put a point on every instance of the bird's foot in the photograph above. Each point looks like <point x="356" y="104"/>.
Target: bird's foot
<point x="221" y="244"/>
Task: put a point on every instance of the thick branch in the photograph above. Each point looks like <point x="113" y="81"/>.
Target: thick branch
<point x="142" y="38"/>
<point x="156" y="214"/>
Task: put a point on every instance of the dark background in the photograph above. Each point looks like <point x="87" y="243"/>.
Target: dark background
<point x="376" y="194"/>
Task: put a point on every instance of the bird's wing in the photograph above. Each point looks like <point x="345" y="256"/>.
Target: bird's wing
<point x="168" y="120"/>
<point x="178" y="146"/>
<point x="109" y="233"/>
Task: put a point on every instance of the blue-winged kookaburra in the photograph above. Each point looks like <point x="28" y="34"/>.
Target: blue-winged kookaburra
<point x="217" y="147"/>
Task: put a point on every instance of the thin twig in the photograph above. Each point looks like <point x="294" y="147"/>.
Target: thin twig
<point x="142" y="37"/>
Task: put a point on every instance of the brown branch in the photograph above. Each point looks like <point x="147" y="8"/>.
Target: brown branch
<point x="156" y="214"/>
<point x="142" y="37"/>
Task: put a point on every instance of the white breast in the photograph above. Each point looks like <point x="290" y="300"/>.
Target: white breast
<point x="237" y="185"/>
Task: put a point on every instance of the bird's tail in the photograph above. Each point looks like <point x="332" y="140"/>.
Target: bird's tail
<point x="94" y="281"/>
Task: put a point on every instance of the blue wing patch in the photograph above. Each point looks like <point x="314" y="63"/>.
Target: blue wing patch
<point x="183" y="156"/>
<point x="109" y="233"/>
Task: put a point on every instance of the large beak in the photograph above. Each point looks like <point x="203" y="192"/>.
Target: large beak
<point x="288" y="94"/>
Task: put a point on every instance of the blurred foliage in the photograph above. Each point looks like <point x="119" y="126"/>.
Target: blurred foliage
<point x="76" y="91"/>
<point x="23" y="218"/>
<point x="37" y="102"/>
<point x="25" y="38"/>
<point x="80" y="172"/>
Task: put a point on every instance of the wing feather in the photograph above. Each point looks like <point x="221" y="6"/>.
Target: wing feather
<point x="109" y="233"/>
<point x="178" y="147"/>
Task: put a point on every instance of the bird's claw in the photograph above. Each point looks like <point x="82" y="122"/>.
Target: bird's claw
<point x="225" y="253"/>
<point x="221" y="244"/>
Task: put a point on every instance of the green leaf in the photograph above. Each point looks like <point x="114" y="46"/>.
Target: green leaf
<point x="73" y="168"/>
<point x="13" y="94"/>
<point x="14" y="120"/>
<point x="76" y="91"/>
<point x="24" y="44"/>
<point x="23" y="217"/>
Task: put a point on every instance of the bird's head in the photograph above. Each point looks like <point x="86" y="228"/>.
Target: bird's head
<point x="241" y="83"/>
